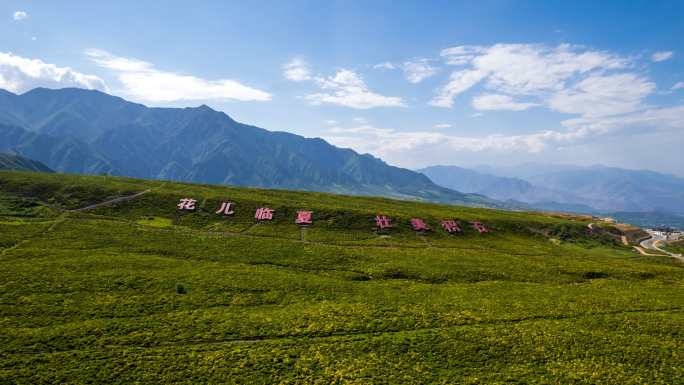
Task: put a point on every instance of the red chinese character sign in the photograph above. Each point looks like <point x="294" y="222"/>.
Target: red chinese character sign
<point x="304" y="217"/>
<point x="418" y="225"/>
<point x="383" y="222"/>
<point x="187" y="204"/>
<point x="263" y="214"/>
<point x="480" y="227"/>
<point x="226" y="208"/>
<point x="451" y="227"/>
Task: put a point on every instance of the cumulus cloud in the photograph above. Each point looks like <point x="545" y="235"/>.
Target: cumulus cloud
<point x="346" y="88"/>
<point x="19" y="15"/>
<point x="678" y="86"/>
<point x="19" y="74"/>
<point x="565" y="78"/>
<point x="297" y="70"/>
<point x="499" y="102"/>
<point x="661" y="56"/>
<point x="417" y="70"/>
<point x="142" y="81"/>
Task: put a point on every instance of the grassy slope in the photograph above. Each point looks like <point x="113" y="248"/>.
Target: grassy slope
<point x="93" y="296"/>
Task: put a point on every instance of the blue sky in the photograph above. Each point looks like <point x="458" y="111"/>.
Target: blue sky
<point x="415" y="83"/>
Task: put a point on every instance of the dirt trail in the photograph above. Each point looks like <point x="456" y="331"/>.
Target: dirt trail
<point x="644" y="252"/>
<point x="110" y="202"/>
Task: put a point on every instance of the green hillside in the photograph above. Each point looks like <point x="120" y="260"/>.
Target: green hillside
<point x="139" y="292"/>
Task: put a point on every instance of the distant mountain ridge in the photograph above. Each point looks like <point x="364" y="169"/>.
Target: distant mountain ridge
<point x="15" y="162"/>
<point x="569" y="188"/>
<point x="84" y="131"/>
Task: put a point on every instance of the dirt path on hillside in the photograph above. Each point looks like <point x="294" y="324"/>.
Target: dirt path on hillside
<point x="110" y="202"/>
<point x="644" y="252"/>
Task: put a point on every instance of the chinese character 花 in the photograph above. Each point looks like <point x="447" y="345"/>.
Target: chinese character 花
<point x="187" y="204"/>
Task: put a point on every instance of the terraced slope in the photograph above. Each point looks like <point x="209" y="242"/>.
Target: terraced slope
<point x="140" y="292"/>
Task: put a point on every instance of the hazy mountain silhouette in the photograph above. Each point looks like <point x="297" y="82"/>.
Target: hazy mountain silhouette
<point x="15" y="162"/>
<point x="569" y="188"/>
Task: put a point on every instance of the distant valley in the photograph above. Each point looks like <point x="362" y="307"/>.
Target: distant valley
<point x="602" y="190"/>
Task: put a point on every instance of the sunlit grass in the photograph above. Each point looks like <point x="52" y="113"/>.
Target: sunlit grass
<point x="143" y="293"/>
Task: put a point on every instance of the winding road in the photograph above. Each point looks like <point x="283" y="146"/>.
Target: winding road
<point x="655" y="239"/>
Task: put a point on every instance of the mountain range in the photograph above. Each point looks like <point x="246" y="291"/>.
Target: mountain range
<point x="84" y="131"/>
<point x="589" y="189"/>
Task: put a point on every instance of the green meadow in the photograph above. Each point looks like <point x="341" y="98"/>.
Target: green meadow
<point x="140" y="292"/>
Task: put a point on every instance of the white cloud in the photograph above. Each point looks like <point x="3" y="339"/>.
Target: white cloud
<point x="19" y="74"/>
<point x="678" y="86"/>
<point x="603" y="95"/>
<point x="531" y="69"/>
<point x="391" y="143"/>
<point x="417" y="70"/>
<point x="566" y="78"/>
<point x="144" y="82"/>
<point x="19" y="15"/>
<point x="297" y="70"/>
<point x="442" y="125"/>
<point x="331" y="122"/>
<point x="499" y="102"/>
<point x="384" y="66"/>
<point x="662" y="56"/>
<point x="360" y="120"/>
<point x="459" y="82"/>
<point x="348" y="89"/>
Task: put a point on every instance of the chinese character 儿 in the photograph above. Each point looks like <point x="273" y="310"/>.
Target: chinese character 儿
<point x="225" y="208"/>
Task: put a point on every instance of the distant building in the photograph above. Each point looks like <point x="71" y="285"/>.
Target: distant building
<point x="675" y="236"/>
